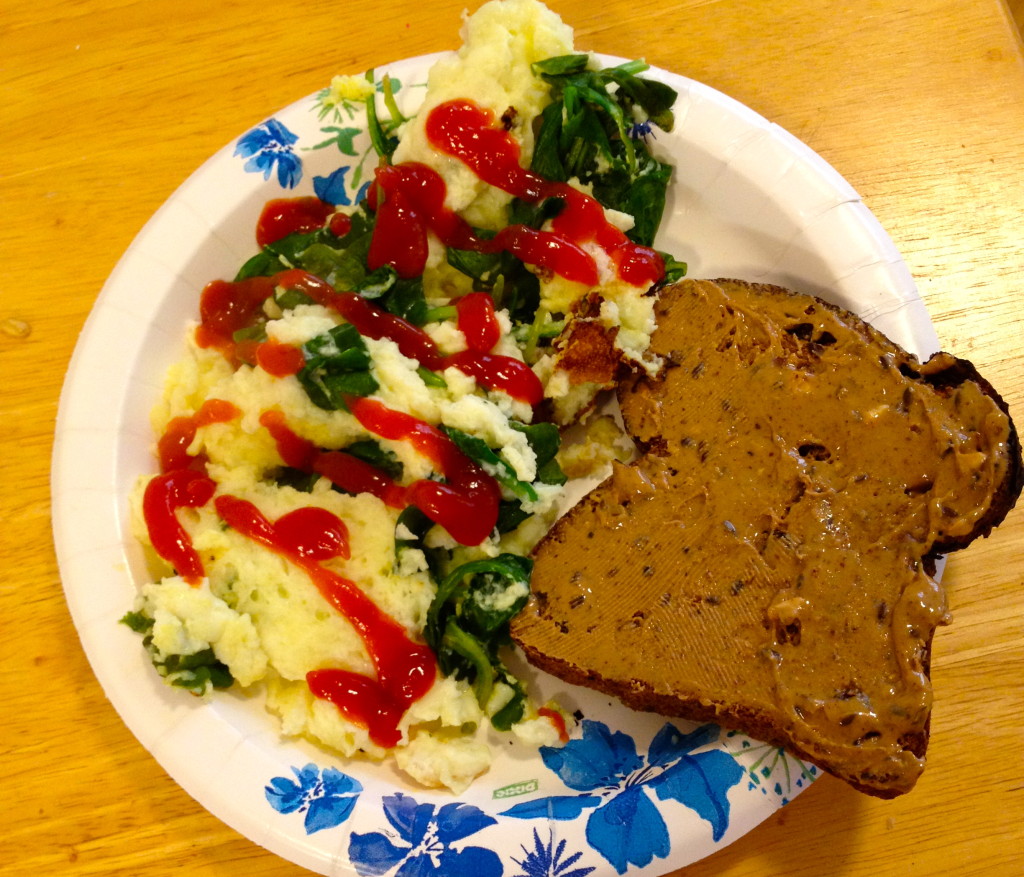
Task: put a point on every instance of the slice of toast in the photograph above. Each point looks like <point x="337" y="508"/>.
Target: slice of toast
<point x="767" y="562"/>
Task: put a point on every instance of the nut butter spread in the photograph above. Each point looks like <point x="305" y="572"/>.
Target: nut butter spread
<point x="766" y="562"/>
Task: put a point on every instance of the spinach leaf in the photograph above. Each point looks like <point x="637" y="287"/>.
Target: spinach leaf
<point x="297" y="479"/>
<point x="197" y="673"/>
<point x="560" y="65"/>
<point x="416" y="523"/>
<point x="514" y="710"/>
<point x="480" y="452"/>
<point x="596" y="128"/>
<point x="510" y="515"/>
<point x="284" y="253"/>
<point x="405" y="299"/>
<point x="674" y="269"/>
<point x="482" y="268"/>
<point x="337" y="365"/>
<point x="370" y="451"/>
<point x="339" y="261"/>
<point x="511" y="284"/>
<point x="315" y="251"/>
<point x="287" y="299"/>
<point x="545" y="440"/>
<point x="468" y="622"/>
<point x="431" y="379"/>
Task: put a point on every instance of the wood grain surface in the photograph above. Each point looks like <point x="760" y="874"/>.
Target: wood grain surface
<point x="108" y="105"/>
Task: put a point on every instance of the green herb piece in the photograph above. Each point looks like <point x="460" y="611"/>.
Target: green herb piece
<point x="470" y="653"/>
<point x="430" y="378"/>
<point x="288" y="299"/>
<point x="297" y="479"/>
<point x="382" y="131"/>
<point x="197" y="673"/>
<point x="514" y="710"/>
<point x="561" y="65"/>
<point x="138" y="622"/>
<point x="370" y="451"/>
<point x="257" y="333"/>
<point x="596" y="128"/>
<point x="415" y="522"/>
<point x="480" y="452"/>
<point x="377" y="283"/>
<point x="510" y="515"/>
<point x="441" y="313"/>
<point x="468" y="622"/>
<point x="545" y="440"/>
<point x="337" y="365"/>
<point x="674" y="269"/>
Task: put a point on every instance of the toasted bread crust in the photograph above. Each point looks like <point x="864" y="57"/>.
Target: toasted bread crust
<point x="730" y="582"/>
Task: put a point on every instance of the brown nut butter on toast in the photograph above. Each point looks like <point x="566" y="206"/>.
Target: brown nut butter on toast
<point x="767" y="563"/>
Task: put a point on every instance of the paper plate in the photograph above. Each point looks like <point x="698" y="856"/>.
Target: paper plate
<point x="630" y="792"/>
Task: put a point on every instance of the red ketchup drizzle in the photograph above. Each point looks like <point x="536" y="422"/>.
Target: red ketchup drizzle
<point x="357" y="476"/>
<point x="164" y="495"/>
<point x="340" y="225"/>
<point x="227" y="306"/>
<point x="409" y="200"/>
<point x="405" y="669"/>
<point x="374" y="322"/>
<point x="183" y="483"/>
<point x="172" y="446"/>
<point x="279" y="360"/>
<point x="467" y="505"/>
<point x="284" y="216"/>
<point x="556" y="719"/>
<point x="477" y="321"/>
<point x="492" y="370"/>
<point x="348" y="472"/>
<point x="297" y="452"/>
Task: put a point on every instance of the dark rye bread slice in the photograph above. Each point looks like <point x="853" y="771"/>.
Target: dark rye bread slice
<point x="767" y="562"/>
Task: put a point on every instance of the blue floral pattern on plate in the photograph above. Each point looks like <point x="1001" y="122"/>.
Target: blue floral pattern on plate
<point x="427" y="838"/>
<point x="548" y="859"/>
<point x="614" y="782"/>
<point x="771" y="770"/>
<point x="334" y="188"/>
<point x="327" y="797"/>
<point x="621" y="790"/>
<point x="269" y="146"/>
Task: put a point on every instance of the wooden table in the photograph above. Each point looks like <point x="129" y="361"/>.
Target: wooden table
<point x="107" y="105"/>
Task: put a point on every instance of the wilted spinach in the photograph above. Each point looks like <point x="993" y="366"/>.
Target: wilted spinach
<point x="468" y="623"/>
<point x="595" y="129"/>
<point x="337" y="365"/>
<point x="197" y="673"/>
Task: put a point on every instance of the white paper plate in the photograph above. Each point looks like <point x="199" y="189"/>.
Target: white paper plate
<point x="631" y="792"/>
